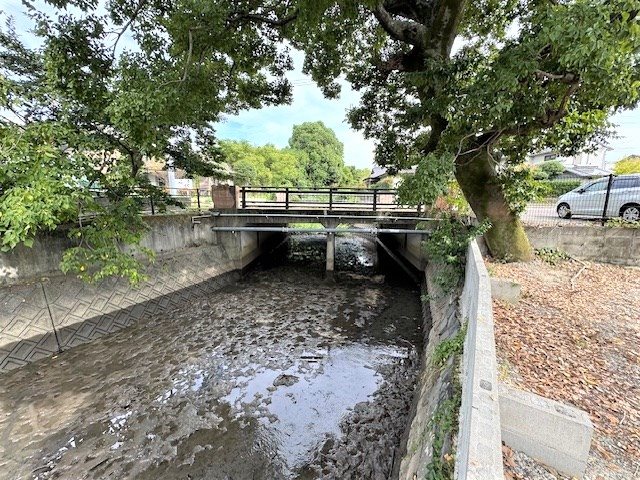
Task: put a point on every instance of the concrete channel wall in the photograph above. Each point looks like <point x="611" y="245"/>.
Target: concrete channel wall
<point x="43" y="311"/>
<point x="478" y="451"/>
<point x="615" y="245"/>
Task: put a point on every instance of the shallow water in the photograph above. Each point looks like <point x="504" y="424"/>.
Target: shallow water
<point x="283" y="375"/>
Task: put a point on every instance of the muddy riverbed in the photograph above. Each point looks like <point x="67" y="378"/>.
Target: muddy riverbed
<point x="282" y="375"/>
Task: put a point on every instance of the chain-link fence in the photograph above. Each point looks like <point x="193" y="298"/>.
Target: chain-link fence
<point x="612" y="199"/>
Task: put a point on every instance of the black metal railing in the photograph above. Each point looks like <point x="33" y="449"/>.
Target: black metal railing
<point x="328" y="198"/>
<point x="177" y="200"/>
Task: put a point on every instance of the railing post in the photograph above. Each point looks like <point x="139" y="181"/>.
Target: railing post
<point x="244" y="197"/>
<point x="153" y="210"/>
<point x="286" y="198"/>
<point x="198" y="196"/>
<point x="375" y="199"/>
<point x="606" y="200"/>
<point x="330" y="198"/>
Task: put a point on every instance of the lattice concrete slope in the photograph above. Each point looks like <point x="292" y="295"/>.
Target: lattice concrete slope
<point x="41" y="318"/>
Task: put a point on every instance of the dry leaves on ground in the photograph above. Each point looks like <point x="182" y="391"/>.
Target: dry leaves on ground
<point x="578" y="342"/>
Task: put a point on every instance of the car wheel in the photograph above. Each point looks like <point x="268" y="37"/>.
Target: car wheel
<point x="564" y="211"/>
<point x="630" y="213"/>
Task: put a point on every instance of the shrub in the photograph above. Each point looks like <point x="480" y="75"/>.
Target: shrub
<point x="555" y="188"/>
<point x="552" y="168"/>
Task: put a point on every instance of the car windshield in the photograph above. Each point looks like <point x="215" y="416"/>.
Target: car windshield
<point x="596" y="186"/>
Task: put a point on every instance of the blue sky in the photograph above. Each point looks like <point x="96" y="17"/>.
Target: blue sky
<point x="274" y="124"/>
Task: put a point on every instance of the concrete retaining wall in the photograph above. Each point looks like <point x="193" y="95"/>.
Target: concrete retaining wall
<point x="478" y="449"/>
<point x="553" y="433"/>
<point x="43" y="311"/>
<point x="604" y="244"/>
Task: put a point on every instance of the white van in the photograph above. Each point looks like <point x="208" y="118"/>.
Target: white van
<point x="588" y="200"/>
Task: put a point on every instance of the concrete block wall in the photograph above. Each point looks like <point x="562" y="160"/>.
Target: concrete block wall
<point x="553" y="433"/>
<point x="479" y="448"/>
<point x="43" y="311"/>
<point x="615" y="245"/>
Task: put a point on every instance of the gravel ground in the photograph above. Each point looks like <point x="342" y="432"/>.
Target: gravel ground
<point x="574" y="336"/>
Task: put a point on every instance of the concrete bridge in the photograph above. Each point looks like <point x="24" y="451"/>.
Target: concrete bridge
<point x="272" y="210"/>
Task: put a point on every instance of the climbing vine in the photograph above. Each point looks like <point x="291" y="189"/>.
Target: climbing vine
<point x="447" y="247"/>
<point x="450" y="347"/>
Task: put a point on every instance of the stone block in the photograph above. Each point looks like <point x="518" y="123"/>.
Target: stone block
<point x="553" y="433"/>
<point x="505" y="290"/>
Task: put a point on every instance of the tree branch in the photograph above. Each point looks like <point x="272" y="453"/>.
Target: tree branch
<point x="551" y="116"/>
<point x="134" y="15"/>
<point x="444" y="28"/>
<point x="402" y="30"/>
<point x="438" y="126"/>
<point x="562" y="77"/>
<point x="256" y="17"/>
<point x="412" y="61"/>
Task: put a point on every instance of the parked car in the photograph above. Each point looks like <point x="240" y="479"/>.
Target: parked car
<point x="588" y="200"/>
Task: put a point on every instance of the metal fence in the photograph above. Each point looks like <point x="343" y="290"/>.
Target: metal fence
<point x="330" y="198"/>
<point x="178" y="200"/>
<point x="188" y="199"/>
<point x="595" y="202"/>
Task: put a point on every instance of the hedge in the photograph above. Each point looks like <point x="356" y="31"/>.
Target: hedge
<point x="555" y="188"/>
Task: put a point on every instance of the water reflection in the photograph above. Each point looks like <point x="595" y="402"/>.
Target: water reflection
<point x="280" y="376"/>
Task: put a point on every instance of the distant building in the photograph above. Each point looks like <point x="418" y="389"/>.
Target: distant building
<point x="175" y="182"/>
<point x="582" y="172"/>
<point x="582" y="166"/>
<point x="379" y="174"/>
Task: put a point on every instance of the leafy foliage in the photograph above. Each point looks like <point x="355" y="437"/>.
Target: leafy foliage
<point x="528" y="75"/>
<point x="551" y="256"/>
<point x="519" y="186"/>
<point x="353" y="176"/>
<point x="630" y="164"/>
<point x="621" y="222"/>
<point x="430" y="181"/>
<point x="99" y="253"/>
<point x="323" y="153"/>
<point x="264" y="166"/>
<point x="291" y="167"/>
<point x="444" y="422"/>
<point x="555" y="188"/>
<point x="447" y="247"/>
<point x="448" y="242"/>
<point x="548" y="170"/>
<point x="449" y="347"/>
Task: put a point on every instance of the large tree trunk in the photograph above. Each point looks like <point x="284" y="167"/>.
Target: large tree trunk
<point x="506" y="239"/>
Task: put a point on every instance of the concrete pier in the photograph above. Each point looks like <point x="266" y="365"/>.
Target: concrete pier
<point x="331" y="252"/>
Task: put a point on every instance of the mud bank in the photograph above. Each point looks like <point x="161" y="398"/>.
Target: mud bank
<point x="281" y="376"/>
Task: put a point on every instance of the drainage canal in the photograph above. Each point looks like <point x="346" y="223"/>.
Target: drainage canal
<point x="283" y="375"/>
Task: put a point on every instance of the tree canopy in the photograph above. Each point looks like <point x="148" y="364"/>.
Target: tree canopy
<point x="630" y="164"/>
<point x="323" y="159"/>
<point x="451" y="86"/>
<point x="263" y="166"/>
<point x="313" y="159"/>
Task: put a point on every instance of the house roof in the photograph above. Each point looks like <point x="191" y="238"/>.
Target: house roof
<point x="377" y="172"/>
<point x="587" y="171"/>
